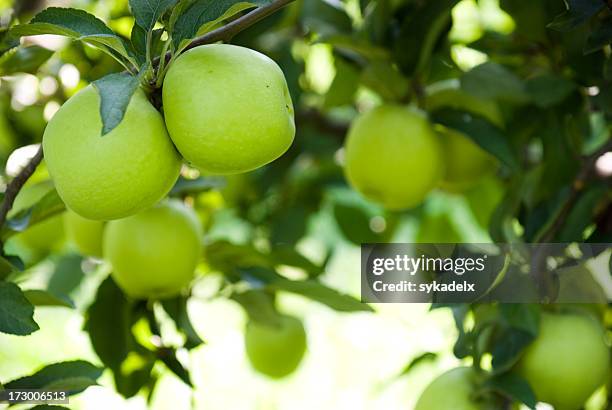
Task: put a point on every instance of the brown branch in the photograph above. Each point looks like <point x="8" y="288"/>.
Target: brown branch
<point x="13" y="188"/>
<point x="229" y="30"/>
<point x="223" y="33"/>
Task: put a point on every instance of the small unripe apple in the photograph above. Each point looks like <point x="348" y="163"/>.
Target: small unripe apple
<point x="465" y="161"/>
<point x="155" y="252"/>
<point x="568" y="361"/>
<point x="228" y="108"/>
<point x="276" y="351"/>
<point x="393" y="156"/>
<point x="85" y="233"/>
<point x="115" y="175"/>
<point x="451" y="390"/>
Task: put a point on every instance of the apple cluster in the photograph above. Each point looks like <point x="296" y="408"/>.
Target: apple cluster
<point x="395" y="156"/>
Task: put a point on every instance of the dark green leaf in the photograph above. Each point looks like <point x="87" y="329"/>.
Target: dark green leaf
<point x="354" y="223"/>
<point x="311" y="289"/>
<point x="287" y="255"/>
<point x="481" y="131"/>
<point x="147" y="12"/>
<point x="578" y="12"/>
<point x="508" y="348"/>
<point x="49" y="205"/>
<point x="549" y="89"/>
<point x="600" y="36"/>
<point x="521" y="316"/>
<point x="16" y="312"/>
<point x="39" y="297"/>
<point x="425" y="357"/>
<point x="582" y="214"/>
<point x="184" y="186"/>
<point x="57" y="373"/>
<point x="108" y="324"/>
<point x="7" y="267"/>
<point x="168" y="357"/>
<point x="494" y="81"/>
<point x="67" y="275"/>
<point x="513" y="387"/>
<point x="259" y="306"/>
<point x="24" y="60"/>
<point x="201" y="15"/>
<point x="49" y="407"/>
<point x="325" y="18"/>
<point x="138" y="38"/>
<point x="177" y="310"/>
<point x="116" y="91"/>
<point x="76" y="24"/>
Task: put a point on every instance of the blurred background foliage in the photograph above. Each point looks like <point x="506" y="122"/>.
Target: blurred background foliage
<point x="548" y="69"/>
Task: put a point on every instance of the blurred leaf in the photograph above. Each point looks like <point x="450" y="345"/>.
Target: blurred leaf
<point x="108" y="325"/>
<point x="49" y="407"/>
<point x="39" y="297"/>
<point x="481" y="131"/>
<point x="24" y="60"/>
<point x="116" y="91"/>
<point x="168" y="357"/>
<point x="288" y="255"/>
<point x="507" y="349"/>
<point x="177" y="310"/>
<point x="582" y="214"/>
<point x="147" y="12"/>
<point x="385" y="80"/>
<point x="16" y="312"/>
<point x="289" y="225"/>
<point x="514" y="387"/>
<point x="549" y="89"/>
<point x="600" y="36"/>
<point x="72" y="385"/>
<point x="67" y="274"/>
<point x="494" y="81"/>
<point x="49" y="205"/>
<point x="521" y="316"/>
<point x="344" y="86"/>
<point x="7" y="267"/>
<point x="419" y="33"/>
<point x="325" y="18"/>
<point x="354" y="45"/>
<point x="259" y="306"/>
<point x="201" y="15"/>
<point x="184" y="186"/>
<point x="354" y="223"/>
<point x="7" y="41"/>
<point x="425" y="357"/>
<point x="310" y="289"/>
<point x="57" y="373"/>
<point x="578" y="12"/>
<point x="76" y="24"/>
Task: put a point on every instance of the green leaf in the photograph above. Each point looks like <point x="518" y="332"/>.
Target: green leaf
<point x="49" y="407"/>
<point x="549" y="89"/>
<point x="184" y="186"/>
<point x="147" y="12"/>
<point x="578" y="12"/>
<point x="39" y="297"/>
<point x="354" y="223"/>
<point x="310" y="289"/>
<point x="259" y="306"/>
<point x="177" y="310"/>
<point x="202" y="15"/>
<point x="425" y="357"/>
<point x="481" y="131"/>
<point x="116" y="91"/>
<point x="521" y="316"/>
<point x="67" y="275"/>
<point x="48" y="206"/>
<point x="54" y="374"/>
<point x="24" y="60"/>
<point x="494" y="81"/>
<point x="582" y="214"/>
<point x="138" y="38"/>
<point x="76" y="24"/>
<point x="108" y="325"/>
<point x="168" y="357"/>
<point x="600" y="36"/>
<point x="16" y="312"/>
<point x="7" y="267"/>
<point x="385" y="80"/>
<point x="7" y="41"/>
<point x="325" y="18"/>
<point x="509" y="346"/>
<point x="514" y="387"/>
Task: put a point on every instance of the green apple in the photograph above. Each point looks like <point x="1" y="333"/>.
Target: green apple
<point x="86" y="234"/>
<point x="465" y="161"/>
<point x="228" y="108"/>
<point x="155" y="252"/>
<point x="115" y="175"/>
<point x="40" y="239"/>
<point x="451" y="390"/>
<point x="568" y="361"/>
<point x="276" y="351"/>
<point x="393" y="156"/>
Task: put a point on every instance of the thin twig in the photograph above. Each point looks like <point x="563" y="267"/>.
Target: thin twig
<point x="13" y="188"/>
<point x="223" y="33"/>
